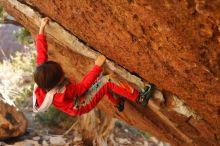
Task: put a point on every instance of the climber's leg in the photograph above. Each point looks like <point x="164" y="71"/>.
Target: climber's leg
<point x="127" y="92"/>
<point x="108" y="89"/>
<point x="113" y="99"/>
<point x="117" y="101"/>
<point x="121" y="92"/>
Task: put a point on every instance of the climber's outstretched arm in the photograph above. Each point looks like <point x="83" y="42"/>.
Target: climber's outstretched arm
<point x="43" y="24"/>
<point x="89" y="79"/>
<point x="41" y="43"/>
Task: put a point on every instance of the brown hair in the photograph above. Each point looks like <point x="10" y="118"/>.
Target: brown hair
<point x="48" y="75"/>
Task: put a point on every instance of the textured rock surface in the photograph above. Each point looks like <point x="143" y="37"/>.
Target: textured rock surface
<point x="170" y="43"/>
<point x="12" y="122"/>
<point x="174" y="44"/>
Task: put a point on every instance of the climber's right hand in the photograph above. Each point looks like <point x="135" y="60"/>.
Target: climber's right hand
<point x="100" y="60"/>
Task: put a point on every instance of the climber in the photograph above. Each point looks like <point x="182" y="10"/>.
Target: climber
<point x="52" y="87"/>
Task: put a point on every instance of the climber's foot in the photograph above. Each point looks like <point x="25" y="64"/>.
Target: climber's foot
<point x="120" y="105"/>
<point x="146" y="94"/>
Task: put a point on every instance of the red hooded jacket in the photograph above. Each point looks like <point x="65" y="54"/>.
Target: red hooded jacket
<point x="64" y="101"/>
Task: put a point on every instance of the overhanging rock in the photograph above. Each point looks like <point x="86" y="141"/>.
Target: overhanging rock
<point x="159" y="119"/>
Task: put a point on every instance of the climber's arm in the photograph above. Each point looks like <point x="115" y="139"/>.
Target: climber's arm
<point x="41" y="43"/>
<point x="88" y="80"/>
<point x="43" y="24"/>
<point x="91" y="77"/>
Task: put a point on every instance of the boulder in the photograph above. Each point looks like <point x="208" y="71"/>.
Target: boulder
<point x="173" y="44"/>
<point x="12" y="122"/>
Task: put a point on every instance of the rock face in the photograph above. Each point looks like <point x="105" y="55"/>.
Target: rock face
<point x="173" y="44"/>
<point x="12" y="122"/>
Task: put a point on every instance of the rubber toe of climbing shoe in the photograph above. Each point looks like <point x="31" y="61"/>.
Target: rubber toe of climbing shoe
<point x="146" y="94"/>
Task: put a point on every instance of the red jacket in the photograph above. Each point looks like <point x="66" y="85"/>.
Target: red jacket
<point x="65" y="101"/>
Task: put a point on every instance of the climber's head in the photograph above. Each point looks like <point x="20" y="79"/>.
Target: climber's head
<point x="48" y="75"/>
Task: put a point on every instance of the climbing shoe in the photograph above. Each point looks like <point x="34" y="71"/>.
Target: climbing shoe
<point x="120" y="105"/>
<point x="146" y="94"/>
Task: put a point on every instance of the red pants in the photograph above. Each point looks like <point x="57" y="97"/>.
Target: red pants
<point x="110" y="89"/>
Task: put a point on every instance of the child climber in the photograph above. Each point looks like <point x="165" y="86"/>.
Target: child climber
<point x="52" y="87"/>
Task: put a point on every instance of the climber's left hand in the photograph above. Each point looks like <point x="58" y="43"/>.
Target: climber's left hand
<point x="100" y="60"/>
